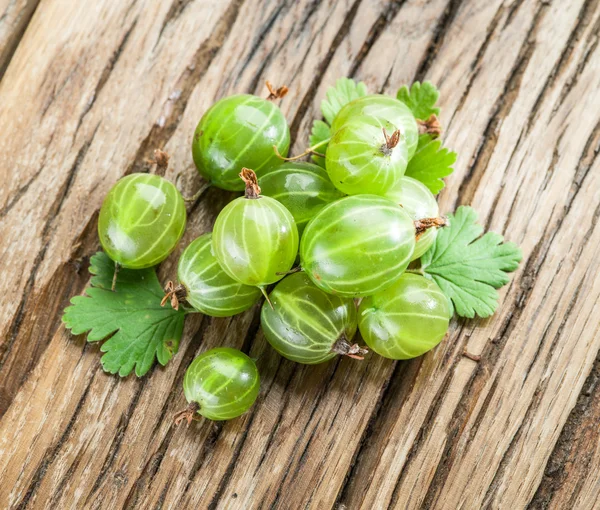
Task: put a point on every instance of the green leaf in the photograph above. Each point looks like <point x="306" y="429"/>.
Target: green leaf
<point x="319" y="133"/>
<point x="141" y="329"/>
<point x="469" y="267"/>
<point x="421" y="99"/>
<point x="431" y="163"/>
<point x="345" y="90"/>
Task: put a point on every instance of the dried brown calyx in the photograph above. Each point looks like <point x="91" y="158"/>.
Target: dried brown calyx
<point x="161" y="160"/>
<point x="431" y="126"/>
<point x="173" y="293"/>
<point x="422" y="225"/>
<point x="344" y="348"/>
<point x="188" y="414"/>
<point x="390" y="141"/>
<point x="252" y="187"/>
<point x="276" y="93"/>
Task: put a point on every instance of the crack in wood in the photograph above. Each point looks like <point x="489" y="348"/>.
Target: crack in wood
<point x="153" y="463"/>
<point x="571" y="454"/>
<point x="13" y="35"/>
<point x="583" y="19"/>
<point x="437" y="40"/>
<point x="321" y="68"/>
<point x="477" y="63"/>
<point x="177" y="8"/>
<point x="381" y="23"/>
<point x="118" y="437"/>
<point x="105" y="75"/>
<point x="55" y="209"/>
<point x="53" y="451"/>
<point x="162" y="132"/>
<point x="382" y="409"/>
<point x="501" y="109"/>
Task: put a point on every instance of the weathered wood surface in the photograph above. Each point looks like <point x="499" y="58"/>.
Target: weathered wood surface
<point x="91" y="90"/>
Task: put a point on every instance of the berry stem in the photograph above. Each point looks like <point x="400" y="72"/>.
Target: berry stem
<point x="296" y="269"/>
<point x="344" y="348"/>
<point x="264" y="293"/>
<point x="188" y="414"/>
<point x="114" y="279"/>
<point x="310" y="150"/>
<point x="252" y="187"/>
<point x="431" y="126"/>
<point x="422" y="225"/>
<point x="275" y="93"/>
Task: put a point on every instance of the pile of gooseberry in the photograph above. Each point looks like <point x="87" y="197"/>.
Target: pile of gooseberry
<point x="329" y="248"/>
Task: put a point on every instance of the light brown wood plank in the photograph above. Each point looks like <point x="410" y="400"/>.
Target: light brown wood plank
<point x="87" y="133"/>
<point x="14" y="18"/>
<point x="570" y="478"/>
<point x="440" y="431"/>
<point x="474" y="410"/>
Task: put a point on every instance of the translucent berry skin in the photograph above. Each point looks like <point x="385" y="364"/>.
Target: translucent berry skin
<point x="358" y="160"/>
<point x="224" y="382"/>
<point x="419" y="203"/>
<point x="208" y="288"/>
<point x="305" y="322"/>
<point x="239" y="131"/>
<point x="254" y="239"/>
<point x="406" y="320"/>
<point x="141" y="220"/>
<point x="357" y="246"/>
<point x="386" y="109"/>
<point x="303" y="188"/>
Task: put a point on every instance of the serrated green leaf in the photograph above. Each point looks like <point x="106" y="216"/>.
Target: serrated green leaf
<point x="141" y="329"/>
<point x="469" y="267"/>
<point x="345" y="90"/>
<point x="421" y="99"/>
<point x="431" y="163"/>
<point x="320" y="132"/>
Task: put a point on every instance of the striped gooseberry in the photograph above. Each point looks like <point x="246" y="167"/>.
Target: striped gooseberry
<point x="205" y="286"/>
<point x="306" y="325"/>
<point x="358" y="245"/>
<point x="405" y="320"/>
<point x="303" y="188"/>
<point x="239" y="131"/>
<point x="419" y="203"/>
<point x="220" y="384"/>
<point x="141" y="220"/>
<point x="366" y="156"/>
<point x="255" y="238"/>
<point x="386" y="109"/>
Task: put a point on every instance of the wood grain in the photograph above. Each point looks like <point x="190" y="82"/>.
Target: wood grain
<point x="91" y="92"/>
<point x="14" y="18"/>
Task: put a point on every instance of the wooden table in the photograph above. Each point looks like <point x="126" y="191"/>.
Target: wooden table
<point x="89" y="89"/>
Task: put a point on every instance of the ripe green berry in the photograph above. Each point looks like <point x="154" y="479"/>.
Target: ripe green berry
<point x="419" y="203"/>
<point x="306" y="325"/>
<point x="303" y="188"/>
<point x="357" y="246"/>
<point x="255" y="238"/>
<point x="141" y="220"/>
<point x="220" y="384"/>
<point x="239" y="131"/>
<point x="207" y="287"/>
<point x="405" y="320"/>
<point x="366" y="156"/>
<point x="386" y="109"/>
